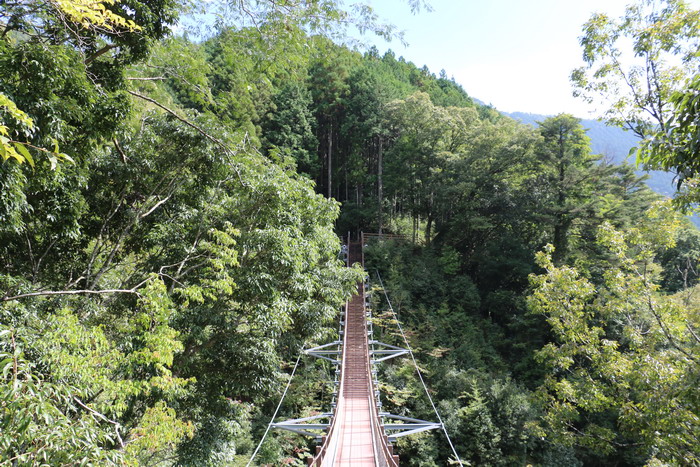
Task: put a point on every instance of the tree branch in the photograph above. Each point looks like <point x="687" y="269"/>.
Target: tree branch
<point x="183" y="120"/>
<point x="666" y="332"/>
<point x="692" y="332"/>
<point x="119" y="149"/>
<point x="100" y="52"/>
<point x="159" y="203"/>
<point x="69" y="292"/>
<point x="117" y="425"/>
<point x="211" y="138"/>
<point x="147" y="78"/>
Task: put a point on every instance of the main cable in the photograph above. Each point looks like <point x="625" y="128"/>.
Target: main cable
<point x="284" y="394"/>
<point x="415" y="364"/>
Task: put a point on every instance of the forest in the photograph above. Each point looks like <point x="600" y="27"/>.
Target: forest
<point x="170" y="211"/>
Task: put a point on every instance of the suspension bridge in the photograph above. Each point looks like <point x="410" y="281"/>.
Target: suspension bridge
<point x="356" y="432"/>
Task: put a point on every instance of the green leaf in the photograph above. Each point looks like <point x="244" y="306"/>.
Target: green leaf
<point x="24" y="424"/>
<point x="22" y="149"/>
<point x="6" y="365"/>
<point x="66" y="157"/>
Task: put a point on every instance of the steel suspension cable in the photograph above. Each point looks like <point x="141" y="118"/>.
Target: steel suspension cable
<point x="415" y="364"/>
<point x="272" y="420"/>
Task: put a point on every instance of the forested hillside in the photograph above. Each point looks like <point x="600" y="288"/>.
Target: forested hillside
<point x="169" y="229"/>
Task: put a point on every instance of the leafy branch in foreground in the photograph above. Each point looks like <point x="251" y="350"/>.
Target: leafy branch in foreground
<point x="623" y="353"/>
<point x="675" y="146"/>
<point x="94" y="14"/>
<point x="633" y="85"/>
<point x="19" y="150"/>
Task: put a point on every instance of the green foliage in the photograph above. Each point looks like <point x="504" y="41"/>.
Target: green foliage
<point x="64" y="107"/>
<point x="645" y="66"/>
<point x="325" y="18"/>
<point x="155" y="290"/>
<point x="623" y="354"/>
<point x="116" y="33"/>
<point x="635" y="87"/>
<point x="66" y="383"/>
<point x="37" y="424"/>
<point x="675" y="145"/>
<point x="243" y="67"/>
<point x="570" y="172"/>
<point x="289" y="128"/>
<point x="501" y="191"/>
<point x="161" y="278"/>
<point x="95" y="15"/>
<point x="15" y="150"/>
<point x="680" y="261"/>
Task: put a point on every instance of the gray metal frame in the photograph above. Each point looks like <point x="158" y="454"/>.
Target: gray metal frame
<point x="297" y="425"/>
<point x="412" y="426"/>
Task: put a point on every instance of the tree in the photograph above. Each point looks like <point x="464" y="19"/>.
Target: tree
<point x="168" y="252"/>
<point x="680" y="262"/>
<point x="568" y="175"/>
<point x="76" y="22"/>
<point x="676" y="144"/>
<point x="289" y="128"/>
<point x="424" y="139"/>
<point x="624" y="356"/>
<point x="634" y="86"/>
<point x="116" y="33"/>
<point x="327" y="18"/>
<point x="328" y="75"/>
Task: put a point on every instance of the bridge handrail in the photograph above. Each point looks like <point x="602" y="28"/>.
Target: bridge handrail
<point x="387" y="458"/>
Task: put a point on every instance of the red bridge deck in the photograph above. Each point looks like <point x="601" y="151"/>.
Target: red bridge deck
<point x="356" y="437"/>
<point x="354" y="430"/>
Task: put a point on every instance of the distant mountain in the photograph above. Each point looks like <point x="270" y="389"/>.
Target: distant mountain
<point x="614" y="144"/>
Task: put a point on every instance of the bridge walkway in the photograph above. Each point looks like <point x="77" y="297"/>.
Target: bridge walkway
<point x="356" y="437"/>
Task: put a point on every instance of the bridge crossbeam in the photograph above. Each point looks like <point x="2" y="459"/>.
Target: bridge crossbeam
<point x="300" y="425"/>
<point x="391" y="351"/>
<point x="410" y="427"/>
<point x="323" y="351"/>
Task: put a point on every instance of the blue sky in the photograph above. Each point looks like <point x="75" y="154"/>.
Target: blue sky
<point x="514" y="54"/>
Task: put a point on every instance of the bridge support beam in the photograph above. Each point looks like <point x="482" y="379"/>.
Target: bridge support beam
<point x="323" y="351"/>
<point x="410" y="426"/>
<point x="300" y="425"/>
<point x="390" y="351"/>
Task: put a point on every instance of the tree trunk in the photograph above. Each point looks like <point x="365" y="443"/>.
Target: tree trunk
<point x="345" y="172"/>
<point x="330" y="160"/>
<point x="415" y="228"/>
<point x="380" y="187"/>
<point x="428" y="228"/>
<point x="429" y="224"/>
<point x="561" y="243"/>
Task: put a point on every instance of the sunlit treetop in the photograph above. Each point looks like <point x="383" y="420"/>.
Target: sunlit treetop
<point x="92" y="14"/>
<point x="121" y="27"/>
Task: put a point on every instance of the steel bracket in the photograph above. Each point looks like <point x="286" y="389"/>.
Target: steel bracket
<point x="323" y="352"/>
<point x="299" y="425"/>
<point x="410" y="426"/>
<point x="390" y="351"/>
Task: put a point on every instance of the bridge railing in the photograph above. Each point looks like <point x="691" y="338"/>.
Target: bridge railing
<point x="383" y="450"/>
